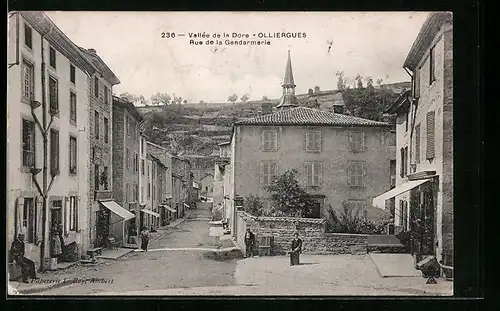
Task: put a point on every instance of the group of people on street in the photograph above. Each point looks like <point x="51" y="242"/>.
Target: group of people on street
<point x="295" y="251"/>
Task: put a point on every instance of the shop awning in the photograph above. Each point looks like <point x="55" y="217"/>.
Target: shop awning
<point x="379" y="201"/>
<point x="150" y="212"/>
<point x="117" y="209"/>
<point x="173" y="210"/>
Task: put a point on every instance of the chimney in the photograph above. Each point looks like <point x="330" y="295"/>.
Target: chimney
<point x="338" y="109"/>
<point x="310" y="92"/>
<point x="92" y="51"/>
<point x="316" y="90"/>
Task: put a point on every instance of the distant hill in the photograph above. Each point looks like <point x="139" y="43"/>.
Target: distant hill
<point x="197" y="128"/>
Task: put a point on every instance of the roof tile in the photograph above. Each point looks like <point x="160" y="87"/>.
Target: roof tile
<point x="309" y="116"/>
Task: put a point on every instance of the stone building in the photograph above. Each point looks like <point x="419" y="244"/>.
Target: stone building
<point x="100" y="136"/>
<point x="170" y="195"/>
<point x="424" y="180"/>
<point x="46" y="70"/>
<point x="126" y="149"/>
<point x="340" y="159"/>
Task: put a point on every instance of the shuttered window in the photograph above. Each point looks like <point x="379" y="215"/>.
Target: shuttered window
<point x="269" y="140"/>
<point x="356" y="174"/>
<point x="432" y="66"/>
<point x="313" y="173"/>
<point x="430" y="152"/>
<point x="96" y="86"/>
<point x="313" y="141"/>
<point x="417" y="144"/>
<point x="28" y="80"/>
<point x="416" y="84"/>
<point x="29" y="218"/>
<point x="28" y="143"/>
<point x="357" y="141"/>
<point x="54" y="152"/>
<point x="269" y="171"/>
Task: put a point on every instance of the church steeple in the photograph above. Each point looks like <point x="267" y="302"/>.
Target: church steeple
<point x="288" y="99"/>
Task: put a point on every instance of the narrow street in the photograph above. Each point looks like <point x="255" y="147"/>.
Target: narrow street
<point x="159" y="269"/>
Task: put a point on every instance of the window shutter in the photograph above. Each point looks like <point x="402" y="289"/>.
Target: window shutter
<point x="101" y="90"/>
<point x="276" y="140"/>
<point x="39" y="223"/>
<point x="417" y="144"/>
<point x="261" y="174"/>
<point x="77" y="213"/>
<point x="306" y="144"/>
<point x="363" y="141"/>
<point x="319" y="166"/>
<point x="363" y="174"/>
<point x="351" y="141"/>
<point x="19" y="216"/>
<point x="263" y="140"/>
<point x="65" y="211"/>
<point x="430" y="135"/>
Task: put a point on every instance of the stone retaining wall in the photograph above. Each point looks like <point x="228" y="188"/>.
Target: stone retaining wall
<point x="311" y="231"/>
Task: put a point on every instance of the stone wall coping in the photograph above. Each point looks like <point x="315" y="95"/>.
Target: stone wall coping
<point x="346" y="234"/>
<point x="247" y="216"/>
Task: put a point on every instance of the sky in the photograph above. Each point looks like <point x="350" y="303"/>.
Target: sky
<point x="372" y="44"/>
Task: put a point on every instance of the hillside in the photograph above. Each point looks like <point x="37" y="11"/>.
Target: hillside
<point x="189" y="129"/>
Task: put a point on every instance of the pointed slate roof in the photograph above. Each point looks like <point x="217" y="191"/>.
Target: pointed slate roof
<point x="309" y="116"/>
<point x="288" y="80"/>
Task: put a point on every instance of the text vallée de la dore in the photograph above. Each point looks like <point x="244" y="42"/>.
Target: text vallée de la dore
<point x="234" y="38"/>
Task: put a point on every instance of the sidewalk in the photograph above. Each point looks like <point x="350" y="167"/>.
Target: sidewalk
<point x="331" y="275"/>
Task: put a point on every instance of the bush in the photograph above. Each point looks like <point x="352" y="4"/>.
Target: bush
<point x="350" y="221"/>
<point x="253" y="205"/>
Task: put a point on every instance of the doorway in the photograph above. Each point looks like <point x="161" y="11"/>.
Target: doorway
<point x="102" y="227"/>
<point x="422" y="216"/>
<point x="56" y="213"/>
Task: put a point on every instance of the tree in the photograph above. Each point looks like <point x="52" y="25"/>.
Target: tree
<point x="359" y="82"/>
<point x="253" y="205"/>
<point x="233" y="98"/>
<point x="160" y="98"/>
<point x="265" y="97"/>
<point x="184" y="101"/>
<point x="341" y="83"/>
<point x="379" y="82"/>
<point x="135" y="99"/>
<point x="245" y="97"/>
<point x="369" y="85"/>
<point x="288" y="197"/>
<point x="176" y="99"/>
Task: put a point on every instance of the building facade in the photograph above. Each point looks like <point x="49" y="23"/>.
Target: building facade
<point x="340" y="159"/>
<point x="126" y="149"/>
<point x="424" y="166"/>
<point x="100" y="136"/>
<point x="47" y="93"/>
<point x="169" y="196"/>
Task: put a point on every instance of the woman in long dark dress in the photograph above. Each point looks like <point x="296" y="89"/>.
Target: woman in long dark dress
<point x="144" y="239"/>
<point x="296" y="250"/>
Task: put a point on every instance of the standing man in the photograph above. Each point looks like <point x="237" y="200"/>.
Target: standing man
<point x="17" y="254"/>
<point x="296" y="250"/>
<point x="249" y="243"/>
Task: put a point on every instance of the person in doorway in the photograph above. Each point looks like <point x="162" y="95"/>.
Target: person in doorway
<point x="56" y="250"/>
<point x="17" y="250"/>
<point x="61" y="238"/>
<point x="296" y="250"/>
<point x="249" y="243"/>
<point x="144" y="239"/>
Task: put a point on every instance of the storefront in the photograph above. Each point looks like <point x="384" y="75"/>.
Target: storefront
<point x="167" y="214"/>
<point x="150" y="219"/>
<point x="111" y="222"/>
<point x="419" y="216"/>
